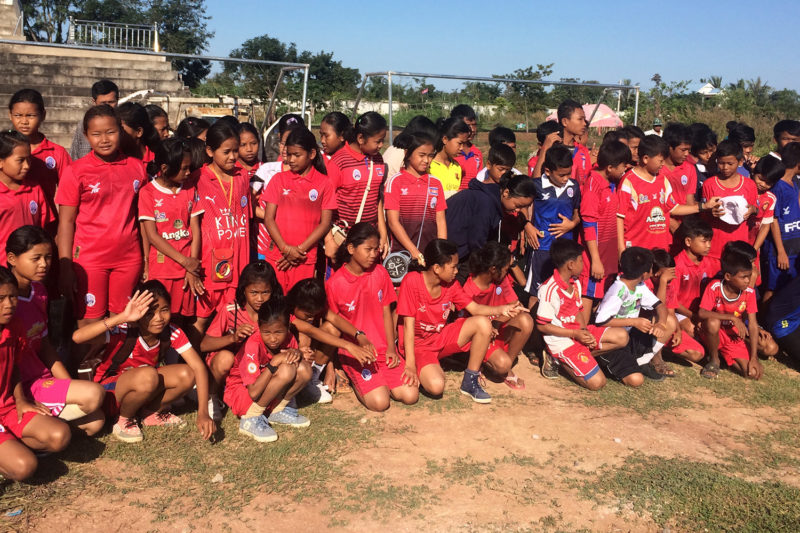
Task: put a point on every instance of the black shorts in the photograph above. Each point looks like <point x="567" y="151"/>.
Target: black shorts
<point x="640" y="343"/>
<point x="618" y="364"/>
<point x="538" y="268"/>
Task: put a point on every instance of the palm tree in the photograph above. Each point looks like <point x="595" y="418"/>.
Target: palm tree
<point x="759" y="90"/>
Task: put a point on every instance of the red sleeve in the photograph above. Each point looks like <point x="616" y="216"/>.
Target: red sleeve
<point x="671" y="203"/>
<point x="406" y="305"/>
<point x="219" y="325"/>
<point x="330" y="291"/>
<point x="441" y="203"/>
<point x="334" y="174"/>
<point x="672" y="296"/>
<point x="750" y="299"/>
<point x="63" y="159"/>
<point x="457" y="295"/>
<point x="179" y="341"/>
<point x="751" y="194"/>
<point x="626" y="195"/>
<point x="692" y="185"/>
<point x="69" y="189"/>
<point x="709" y="299"/>
<point x="768" y="208"/>
<point x="389" y="296"/>
<point x="145" y="204"/>
<point x="328" y="196"/>
<point x="590" y="212"/>
<point x="272" y="193"/>
<point x="391" y="200"/>
<point x="508" y="290"/>
<point x="532" y="164"/>
<point x="708" y="189"/>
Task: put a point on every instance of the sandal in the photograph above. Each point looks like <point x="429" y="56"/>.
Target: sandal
<point x="649" y="371"/>
<point x="342" y="381"/>
<point x="664" y="369"/>
<point x="710" y="371"/>
<point x="514" y="382"/>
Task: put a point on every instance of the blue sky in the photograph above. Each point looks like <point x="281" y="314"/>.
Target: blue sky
<point x="585" y="39"/>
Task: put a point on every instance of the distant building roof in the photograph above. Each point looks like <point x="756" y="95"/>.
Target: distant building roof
<point x="706" y="89"/>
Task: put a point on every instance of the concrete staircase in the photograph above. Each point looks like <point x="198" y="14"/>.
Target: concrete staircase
<point x="65" y="76"/>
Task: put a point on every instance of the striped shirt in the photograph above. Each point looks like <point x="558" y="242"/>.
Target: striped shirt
<point x="349" y="173"/>
<point x="409" y="196"/>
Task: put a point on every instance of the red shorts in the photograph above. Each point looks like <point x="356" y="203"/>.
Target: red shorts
<point x="288" y="278"/>
<point x="212" y="298"/>
<point x="50" y="392"/>
<point x="368" y="378"/>
<point x="496" y="344"/>
<point x="105" y="289"/>
<point x="687" y="343"/>
<point x="238" y="399"/>
<point x="731" y="347"/>
<point x="445" y="344"/>
<point x="10" y="427"/>
<point x="182" y="300"/>
<point x="579" y="359"/>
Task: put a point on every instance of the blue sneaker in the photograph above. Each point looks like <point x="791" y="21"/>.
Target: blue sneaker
<point x="258" y="428"/>
<point x="289" y="417"/>
<point x="470" y="387"/>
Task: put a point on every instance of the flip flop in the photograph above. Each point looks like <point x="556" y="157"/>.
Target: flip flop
<point x="710" y="371"/>
<point x="664" y="369"/>
<point x="650" y="372"/>
<point x="514" y="382"/>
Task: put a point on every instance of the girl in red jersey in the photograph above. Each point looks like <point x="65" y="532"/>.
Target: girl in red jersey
<point x="224" y="195"/>
<point x="44" y="378"/>
<point x="99" y="251"/>
<point x="425" y="303"/>
<point x="22" y="200"/>
<point x="334" y="131"/>
<point x="168" y="215"/>
<point x="234" y="322"/>
<point x="249" y="148"/>
<point x="299" y="208"/>
<point x="489" y="284"/>
<point x="138" y="136"/>
<point x="415" y="201"/>
<point x="357" y="172"/>
<point x="133" y="370"/>
<point x="49" y="160"/>
<point x="362" y="292"/>
<point x="31" y="423"/>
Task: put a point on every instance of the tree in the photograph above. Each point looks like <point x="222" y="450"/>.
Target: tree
<point x="123" y="11"/>
<point x="182" y="29"/>
<point x="46" y="20"/>
<point x="328" y="79"/>
<point x="527" y="97"/>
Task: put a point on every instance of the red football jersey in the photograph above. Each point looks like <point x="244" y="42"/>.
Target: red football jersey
<point x="714" y="299"/>
<point x="27" y="205"/>
<point x="494" y="295"/>
<point x="142" y="354"/>
<point x="30" y="323"/>
<point x="646" y="205"/>
<point x="532" y="164"/>
<point x="48" y="163"/>
<point x="471" y="162"/>
<point x="430" y="315"/>
<point x="252" y="358"/>
<point x="171" y="212"/>
<point x="10" y="346"/>
<point x="724" y="232"/>
<point x="766" y="213"/>
<point x="560" y="307"/>
<point x="689" y="279"/>
<point x="361" y="299"/>
<point x="599" y="207"/>
<point x="106" y="233"/>
<point x="683" y="179"/>
<point x="349" y="173"/>
<point x="581" y="163"/>
<point x="412" y="198"/>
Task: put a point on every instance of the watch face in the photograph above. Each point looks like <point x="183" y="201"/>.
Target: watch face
<point x="396" y="266"/>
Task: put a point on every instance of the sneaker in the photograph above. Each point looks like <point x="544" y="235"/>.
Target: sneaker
<point x="216" y="409"/>
<point x="127" y="430"/>
<point x="315" y="392"/>
<point x="650" y="372"/>
<point x="289" y="417"/>
<point x="258" y="428"/>
<point x="164" y="418"/>
<point x="549" y="366"/>
<point x="470" y="386"/>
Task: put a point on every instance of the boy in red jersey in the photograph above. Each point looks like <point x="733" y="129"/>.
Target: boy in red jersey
<point x="471" y="158"/>
<point x="680" y="172"/>
<point x="692" y="268"/>
<point x="599" y="204"/>
<point x="646" y="200"/>
<point x="572" y="119"/>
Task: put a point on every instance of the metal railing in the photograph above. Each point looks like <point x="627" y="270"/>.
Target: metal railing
<point x="113" y="35"/>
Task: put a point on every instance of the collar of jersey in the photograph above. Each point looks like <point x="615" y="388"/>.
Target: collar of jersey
<point x="96" y="161"/>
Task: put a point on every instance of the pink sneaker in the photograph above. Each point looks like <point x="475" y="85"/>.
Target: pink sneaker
<point x="164" y="418"/>
<point x="127" y="430"/>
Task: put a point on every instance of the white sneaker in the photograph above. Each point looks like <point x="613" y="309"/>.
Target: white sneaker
<point x="216" y="409"/>
<point x="318" y="389"/>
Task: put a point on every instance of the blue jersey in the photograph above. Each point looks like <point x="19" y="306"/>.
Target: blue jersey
<point x="550" y="201"/>
<point x="787" y="213"/>
<point x="784" y="313"/>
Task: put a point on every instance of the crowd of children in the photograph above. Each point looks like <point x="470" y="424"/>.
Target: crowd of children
<point x="190" y="268"/>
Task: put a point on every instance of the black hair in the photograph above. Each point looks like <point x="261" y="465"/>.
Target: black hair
<point x="103" y="110"/>
<point x="792" y="127"/>
<point x="613" y="153"/>
<point x="104" y="87"/>
<point x="257" y="272"/>
<point x="340" y="124"/>
<point x="9" y="140"/>
<point x="308" y="295"/>
<point x="197" y="147"/>
<point x="303" y="138"/>
<point x="632" y="132"/>
<point x="218" y="133"/>
<point x="501" y="135"/>
<point x="696" y="226"/>
<point x="463" y="111"/>
<point x="439" y="252"/>
<point x="231" y="121"/>
<point x="702" y="138"/>
<point x="743" y="248"/>
<point x="566" y="109"/>
<point x="24" y="238"/>
<point x="742" y="133"/>
<point x="369" y="124"/>
<point x="614" y="135"/>
<point x="420" y="124"/>
<point x="771" y="169"/>
<point x="135" y="116"/>
<point x="169" y="152"/>
<point x="558" y="156"/>
<point x="518" y="185"/>
<point x="502" y="154"/>
<point x="451" y="128"/>
<point x="676" y="134"/>
<point x="251" y="129"/>
<point x="634" y="262"/>
<point x="154" y="287"/>
<point x="28" y="96"/>
<point x="274" y="310"/>
<point x="492" y="254"/>
<point x="191" y="127"/>
<point x="651" y="146"/>
<point x="7" y="278"/>
<point x="546" y="128"/>
<point x="564" y="250"/>
<point x="357" y="235"/>
<point x="729" y="147"/>
<point x="730" y="125"/>
<point x="414" y="141"/>
<point x="288" y="121"/>
<point x="734" y="262"/>
<point x="155" y="111"/>
<point x="661" y="259"/>
<point x="790" y="154"/>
